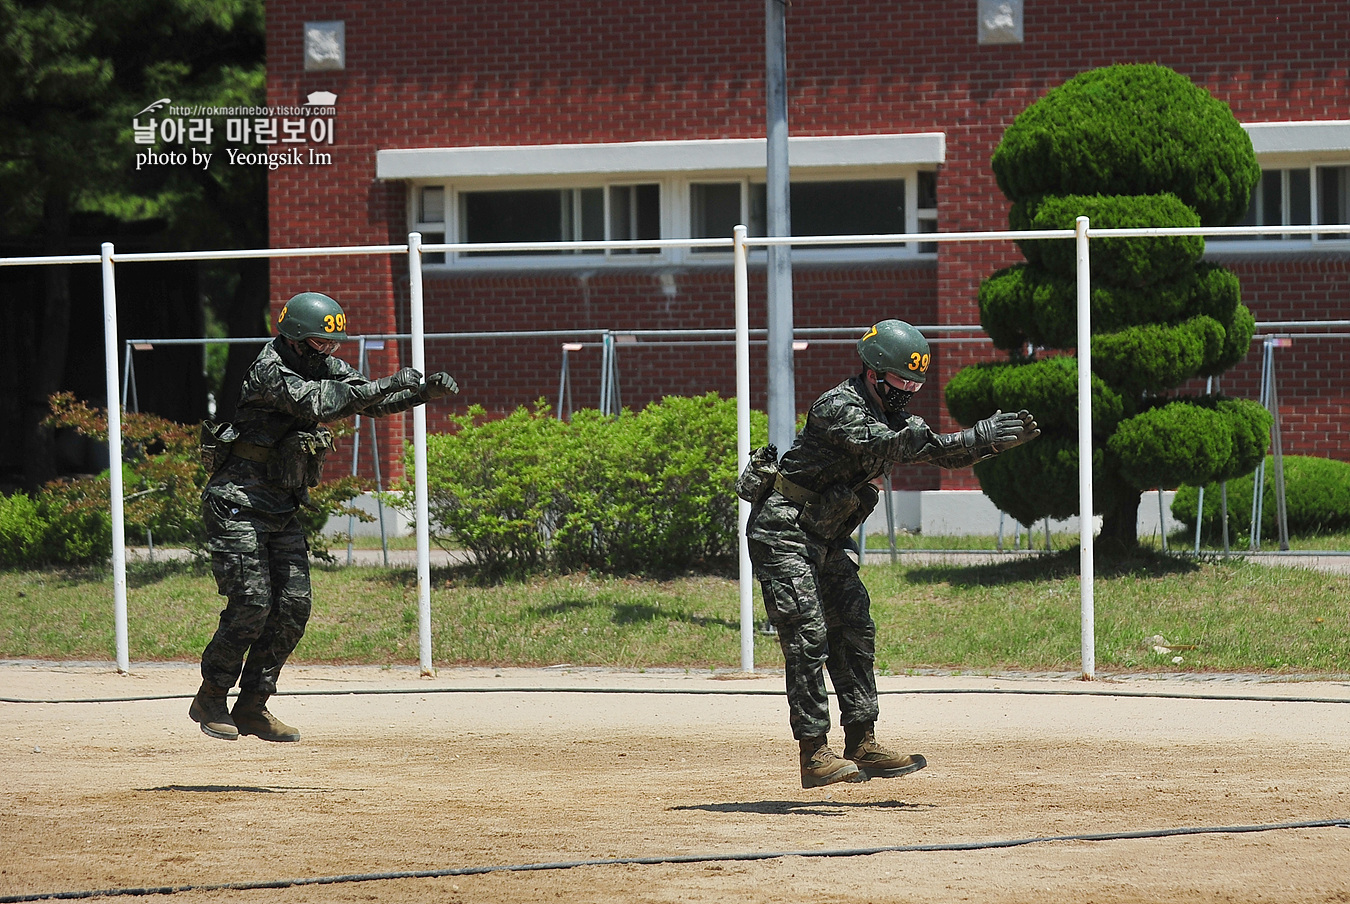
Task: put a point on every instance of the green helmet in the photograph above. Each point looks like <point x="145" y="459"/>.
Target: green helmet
<point x="312" y="314"/>
<point x="895" y="347"/>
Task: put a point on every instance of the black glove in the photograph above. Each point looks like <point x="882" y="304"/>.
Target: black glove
<point x="407" y="378"/>
<point x="438" y="386"/>
<point x="1030" y="430"/>
<point x="1001" y="431"/>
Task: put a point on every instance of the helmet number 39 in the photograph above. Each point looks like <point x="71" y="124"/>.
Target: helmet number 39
<point x="337" y="323"/>
<point x="918" y="362"/>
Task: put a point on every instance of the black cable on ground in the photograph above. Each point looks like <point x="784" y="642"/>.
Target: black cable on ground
<point x="674" y="859"/>
<point x="729" y="692"/>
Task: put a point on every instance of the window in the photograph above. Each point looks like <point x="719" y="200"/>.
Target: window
<point x="600" y="213"/>
<point x="834" y="207"/>
<point x="430" y="208"/>
<point x="1304" y="196"/>
<point x="660" y="190"/>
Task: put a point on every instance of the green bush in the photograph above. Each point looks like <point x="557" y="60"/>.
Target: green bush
<point x="1316" y="495"/>
<point x="647" y="492"/>
<point x="22" y="529"/>
<point x="491" y="486"/>
<point x="69" y="521"/>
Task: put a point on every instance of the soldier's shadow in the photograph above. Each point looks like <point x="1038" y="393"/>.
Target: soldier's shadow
<point x="803" y="807"/>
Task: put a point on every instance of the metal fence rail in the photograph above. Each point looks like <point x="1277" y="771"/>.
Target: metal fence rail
<point x="739" y="244"/>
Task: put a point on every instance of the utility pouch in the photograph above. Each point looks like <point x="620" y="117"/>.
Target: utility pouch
<point x="756" y="481"/>
<point x="867" y="501"/>
<point x="832" y="515"/>
<point x="214" y="445"/>
<point x="297" y="460"/>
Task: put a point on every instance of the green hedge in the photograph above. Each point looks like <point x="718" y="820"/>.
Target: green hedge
<point x="1316" y="497"/>
<point x="69" y="521"/>
<point x="648" y="492"/>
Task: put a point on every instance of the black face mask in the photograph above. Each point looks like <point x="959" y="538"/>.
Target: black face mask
<point x="308" y="361"/>
<point x="892" y="399"/>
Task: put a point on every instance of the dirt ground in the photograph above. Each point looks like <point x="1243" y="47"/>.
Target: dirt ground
<point x="689" y="778"/>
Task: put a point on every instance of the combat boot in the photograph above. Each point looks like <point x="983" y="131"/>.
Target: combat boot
<point x="822" y="766"/>
<point x="252" y="717"/>
<point x="209" y="709"/>
<point x="876" y="761"/>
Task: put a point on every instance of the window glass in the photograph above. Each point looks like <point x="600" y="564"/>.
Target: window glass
<point x="714" y="209"/>
<point x="432" y="206"/>
<point x="592" y="226"/>
<point x="927" y="191"/>
<point x="1272" y="196"/>
<point x="635" y="213"/>
<point x="433" y="257"/>
<point x="513" y="216"/>
<point x="848" y="208"/>
<point x="1300" y="199"/>
<point x="1333" y="206"/>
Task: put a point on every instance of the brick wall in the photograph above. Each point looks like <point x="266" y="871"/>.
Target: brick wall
<point x="428" y="75"/>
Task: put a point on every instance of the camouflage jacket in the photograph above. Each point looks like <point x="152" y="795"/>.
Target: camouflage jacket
<point x="283" y="393"/>
<point x="849" y="439"/>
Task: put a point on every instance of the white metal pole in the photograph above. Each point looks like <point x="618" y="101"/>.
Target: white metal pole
<point x="419" y="362"/>
<point x="742" y="282"/>
<point x="119" y="547"/>
<point x="1085" y="579"/>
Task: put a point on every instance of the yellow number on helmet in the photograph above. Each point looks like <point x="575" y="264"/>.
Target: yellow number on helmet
<point x="342" y="322"/>
<point x="923" y="368"/>
<point x="328" y="323"/>
<point x="282" y="315"/>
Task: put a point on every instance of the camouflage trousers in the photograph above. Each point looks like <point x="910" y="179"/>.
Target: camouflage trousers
<point x="261" y="564"/>
<point x="822" y="613"/>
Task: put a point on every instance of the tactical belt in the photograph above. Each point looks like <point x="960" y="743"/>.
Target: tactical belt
<point x="796" y="492"/>
<point x="251" y="451"/>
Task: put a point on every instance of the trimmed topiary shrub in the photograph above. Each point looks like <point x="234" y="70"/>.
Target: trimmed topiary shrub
<point x="1127" y="146"/>
<point x="1316" y="499"/>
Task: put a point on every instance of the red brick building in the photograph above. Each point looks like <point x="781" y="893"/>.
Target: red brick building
<point x="537" y="120"/>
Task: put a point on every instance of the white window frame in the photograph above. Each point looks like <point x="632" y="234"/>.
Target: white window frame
<point x="674" y="166"/>
<point x="1282" y="147"/>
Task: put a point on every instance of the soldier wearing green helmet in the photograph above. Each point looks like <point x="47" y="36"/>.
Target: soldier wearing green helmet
<point x="804" y="510"/>
<point x="262" y="466"/>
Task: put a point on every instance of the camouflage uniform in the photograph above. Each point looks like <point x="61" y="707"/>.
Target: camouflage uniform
<point x="812" y="592"/>
<point x="258" y="550"/>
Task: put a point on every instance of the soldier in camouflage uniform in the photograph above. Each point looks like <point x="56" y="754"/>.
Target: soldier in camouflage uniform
<point x="800" y="543"/>
<point x="258" y="550"/>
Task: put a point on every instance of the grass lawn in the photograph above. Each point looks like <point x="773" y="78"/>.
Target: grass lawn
<point x="1224" y="615"/>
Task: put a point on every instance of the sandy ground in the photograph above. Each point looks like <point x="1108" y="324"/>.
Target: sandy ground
<point x="690" y="779"/>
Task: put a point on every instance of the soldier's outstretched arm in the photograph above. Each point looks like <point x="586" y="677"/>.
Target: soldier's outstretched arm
<point x="1001" y="431"/>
